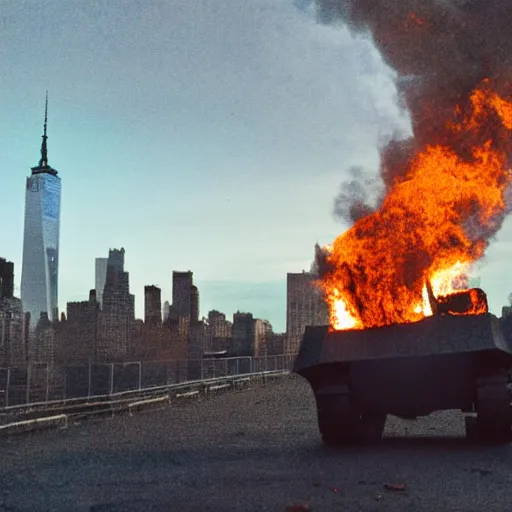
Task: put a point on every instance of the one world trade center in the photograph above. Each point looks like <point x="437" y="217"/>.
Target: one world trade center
<point x="40" y="267"/>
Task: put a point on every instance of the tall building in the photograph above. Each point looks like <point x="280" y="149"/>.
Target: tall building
<point x="40" y="267"/>
<point x="185" y="296"/>
<point x="117" y="280"/>
<point x="45" y="346"/>
<point x="243" y="333"/>
<point x="194" y="304"/>
<point x="263" y="336"/>
<point x="117" y="317"/>
<point x="251" y="336"/>
<point x="304" y="306"/>
<point x="196" y="343"/>
<point x="13" y="340"/>
<point x="115" y="259"/>
<point x="100" y="276"/>
<point x="80" y="331"/>
<point x="219" y="334"/>
<point x="6" y="279"/>
<point x="152" y="305"/>
<point x="165" y="311"/>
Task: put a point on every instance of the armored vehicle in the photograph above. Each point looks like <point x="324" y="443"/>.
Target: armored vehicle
<point x="450" y="360"/>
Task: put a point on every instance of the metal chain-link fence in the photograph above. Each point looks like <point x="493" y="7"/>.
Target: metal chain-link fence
<point x="41" y="382"/>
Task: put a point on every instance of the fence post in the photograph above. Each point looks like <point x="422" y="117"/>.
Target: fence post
<point x="89" y="383"/>
<point x="65" y="383"/>
<point x="111" y="376"/>
<point x="27" y="391"/>
<point x="47" y="382"/>
<point x="140" y="375"/>
<point x="7" y="384"/>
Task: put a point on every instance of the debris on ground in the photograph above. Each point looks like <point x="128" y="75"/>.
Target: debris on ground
<point x="301" y="507"/>
<point x="394" y="487"/>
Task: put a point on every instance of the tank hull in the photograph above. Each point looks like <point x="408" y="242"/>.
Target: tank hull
<point x="407" y="370"/>
<point x="414" y="386"/>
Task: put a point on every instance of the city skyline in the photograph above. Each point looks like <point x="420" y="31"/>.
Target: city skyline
<point x="219" y="151"/>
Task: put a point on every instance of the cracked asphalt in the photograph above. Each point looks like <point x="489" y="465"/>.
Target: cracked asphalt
<point x="252" y="450"/>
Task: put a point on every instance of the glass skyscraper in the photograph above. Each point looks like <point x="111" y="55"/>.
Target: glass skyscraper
<point x="40" y="268"/>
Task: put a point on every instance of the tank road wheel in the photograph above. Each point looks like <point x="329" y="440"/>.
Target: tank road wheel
<point x="339" y="424"/>
<point x="493" y="407"/>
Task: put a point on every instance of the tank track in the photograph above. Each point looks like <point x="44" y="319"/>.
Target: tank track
<point x="493" y="405"/>
<point x="341" y="424"/>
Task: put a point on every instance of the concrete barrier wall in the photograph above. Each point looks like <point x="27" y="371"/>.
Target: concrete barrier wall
<point x="60" y="415"/>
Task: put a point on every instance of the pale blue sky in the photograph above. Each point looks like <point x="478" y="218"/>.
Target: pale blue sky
<point x="209" y="135"/>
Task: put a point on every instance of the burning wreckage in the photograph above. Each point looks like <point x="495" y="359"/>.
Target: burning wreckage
<point x="408" y="335"/>
<point x="454" y="359"/>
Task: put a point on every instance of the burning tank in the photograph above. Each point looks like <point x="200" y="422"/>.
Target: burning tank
<point x="441" y="195"/>
<point x="457" y="358"/>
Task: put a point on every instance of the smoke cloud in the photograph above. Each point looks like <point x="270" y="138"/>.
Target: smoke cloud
<point x="446" y="188"/>
<point x="320" y="265"/>
<point x="359" y="196"/>
<point x="441" y="50"/>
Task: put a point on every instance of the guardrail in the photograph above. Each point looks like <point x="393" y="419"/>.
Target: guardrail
<point x="35" y="424"/>
<point x="44" y="383"/>
<point x="48" y="415"/>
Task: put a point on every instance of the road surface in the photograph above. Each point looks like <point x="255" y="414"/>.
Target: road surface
<point x="254" y="450"/>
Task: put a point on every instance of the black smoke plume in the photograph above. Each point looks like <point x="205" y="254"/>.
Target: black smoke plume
<point x="358" y="196"/>
<point x="441" y="50"/>
<point x="320" y="265"/>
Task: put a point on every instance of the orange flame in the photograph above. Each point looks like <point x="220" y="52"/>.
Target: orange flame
<point x="423" y="229"/>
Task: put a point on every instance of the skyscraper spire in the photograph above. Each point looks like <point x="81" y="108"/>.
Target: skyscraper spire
<point x="43" y="167"/>
<point x="44" y="149"/>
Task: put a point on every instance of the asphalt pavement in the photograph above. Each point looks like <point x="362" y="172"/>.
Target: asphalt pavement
<point x="251" y="451"/>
